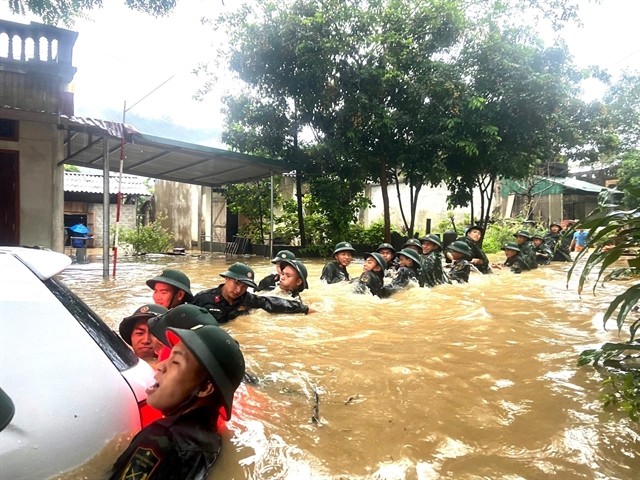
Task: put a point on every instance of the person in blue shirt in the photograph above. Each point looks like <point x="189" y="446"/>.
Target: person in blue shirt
<point x="579" y="241"/>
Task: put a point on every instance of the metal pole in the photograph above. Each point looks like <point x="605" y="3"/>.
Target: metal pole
<point x="105" y="207"/>
<point x="119" y="196"/>
<point x="122" y="156"/>
<point x="271" y="232"/>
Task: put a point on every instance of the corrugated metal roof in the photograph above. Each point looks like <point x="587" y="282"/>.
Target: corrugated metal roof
<point x="161" y="158"/>
<point x="92" y="183"/>
<point x="575" y="184"/>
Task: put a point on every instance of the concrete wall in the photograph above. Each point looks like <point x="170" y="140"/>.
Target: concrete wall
<point x="432" y="203"/>
<point x="178" y="204"/>
<point x="41" y="194"/>
<point x="127" y="220"/>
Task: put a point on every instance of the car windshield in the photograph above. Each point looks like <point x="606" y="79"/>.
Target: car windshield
<point x="120" y="355"/>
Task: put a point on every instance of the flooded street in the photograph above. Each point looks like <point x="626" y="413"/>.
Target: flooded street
<point x="474" y="381"/>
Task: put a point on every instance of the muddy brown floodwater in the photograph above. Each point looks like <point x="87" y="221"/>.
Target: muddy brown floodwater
<point x="474" y="381"/>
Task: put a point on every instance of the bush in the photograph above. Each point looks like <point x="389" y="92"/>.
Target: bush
<point x="501" y="232"/>
<point x="152" y="238"/>
<point x="360" y="235"/>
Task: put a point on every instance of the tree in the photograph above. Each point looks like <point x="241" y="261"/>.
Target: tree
<point x="623" y="103"/>
<point x="519" y="110"/>
<point x="54" y="12"/>
<point x="405" y="91"/>
<point x="629" y="177"/>
<point x="253" y="201"/>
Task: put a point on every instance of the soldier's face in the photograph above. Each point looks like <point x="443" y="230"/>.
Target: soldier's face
<point x="428" y="247"/>
<point x="521" y="239"/>
<point x="233" y="288"/>
<point x="474" y="234"/>
<point x="143" y="343"/>
<point x="163" y="294"/>
<point x="176" y="378"/>
<point x="289" y="279"/>
<point x="344" y="258"/>
<point x="537" y="242"/>
<point x="510" y="253"/>
<point x="370" y="264"/>
<point x="405" y="261"/>
<point x="555" y="229"/>
<point x="387" y="254"/>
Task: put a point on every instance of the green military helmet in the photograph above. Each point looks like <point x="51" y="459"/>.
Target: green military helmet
<point x="176" y="279"/>
<point x="299" y="267"/>
<point x="461" y="247"/>
<point x="283" y="255"/>
<point x="183" y="316"/>
<point x="378" y="258"/>
<point x="512" y="246"/>
<point x="343" y="247"/>
<point x="522" y="233"/>
<point x="474" y="227"/>
<point x="556" y="224"/>
<point x="433" y="238"/>
<point x="387" y="246"/>
<point x="537" y="235"/>
<point x="412" y="254"/>
<point x="148" y="312"/>
<point x="241" y="272"/>
<point x="218" y="353"/>
<point x="412" y="242"/>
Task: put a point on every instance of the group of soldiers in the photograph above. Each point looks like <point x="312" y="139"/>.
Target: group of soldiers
<point x="199" y="366"/>
<point x="427" y="262"/>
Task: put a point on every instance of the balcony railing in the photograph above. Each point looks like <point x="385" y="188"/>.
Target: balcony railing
<point x="37" y="48"/>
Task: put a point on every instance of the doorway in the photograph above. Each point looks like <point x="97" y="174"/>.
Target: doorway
<point x="9" y="198"/>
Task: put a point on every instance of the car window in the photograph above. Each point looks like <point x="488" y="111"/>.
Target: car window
<point x="111" y="344"/>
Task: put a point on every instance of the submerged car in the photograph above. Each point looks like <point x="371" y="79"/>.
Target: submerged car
<point x="70" y="385"/>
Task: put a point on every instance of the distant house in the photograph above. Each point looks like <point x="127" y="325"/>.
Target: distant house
<point x="83" y="196"/>
<point x="552" y="198"/>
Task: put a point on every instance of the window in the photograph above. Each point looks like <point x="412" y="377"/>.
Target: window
<point x="8" y="129"/>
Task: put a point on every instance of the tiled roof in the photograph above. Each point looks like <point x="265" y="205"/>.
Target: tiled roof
<point x="92" y="183"/>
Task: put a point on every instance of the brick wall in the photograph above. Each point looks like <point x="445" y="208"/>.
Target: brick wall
<point x="127" y="219"/>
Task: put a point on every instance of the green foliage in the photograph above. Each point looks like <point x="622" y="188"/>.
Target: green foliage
<point x="371" y="236"/>
<point x="622" y="101"/>
<point x="151" y="238"/>
<point x="629" y="176"/>
<point x="499" y="233"/>
<point x="613" y="232"/>
<point x="315" y="223"/>
<point x="623" y="391"/>
<point x="253" y="202"/>
<point x="70" y="168"/>
<point x="53" y="12"/>
<point x="338" y="200"/>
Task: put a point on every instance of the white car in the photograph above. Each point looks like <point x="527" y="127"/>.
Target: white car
<point x="74" y="384"/>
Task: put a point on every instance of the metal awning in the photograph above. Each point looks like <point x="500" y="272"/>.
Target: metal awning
<point x="157" y="157"/>
<point x="90" y="143"/>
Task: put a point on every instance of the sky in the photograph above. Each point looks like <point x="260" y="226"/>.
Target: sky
<point x="123" y="56"/>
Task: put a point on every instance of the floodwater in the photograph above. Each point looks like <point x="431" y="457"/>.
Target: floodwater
<point x="475" y="381"/>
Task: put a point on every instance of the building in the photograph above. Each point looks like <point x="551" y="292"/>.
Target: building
<point x="550" y="199"/>
<point x="39" y="134"/>
<point x="35" y="72"/>
<point x="83" y="197"/>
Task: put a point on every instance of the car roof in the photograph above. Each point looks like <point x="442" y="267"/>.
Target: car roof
<point x="44" y="263"/>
